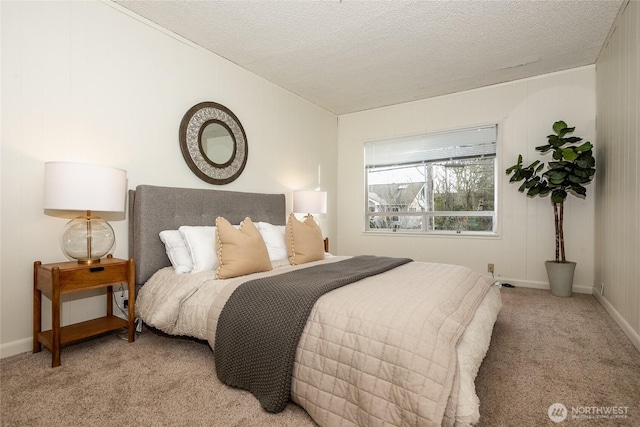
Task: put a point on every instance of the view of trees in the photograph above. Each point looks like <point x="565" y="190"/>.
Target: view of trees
<point x="462" y="185"/>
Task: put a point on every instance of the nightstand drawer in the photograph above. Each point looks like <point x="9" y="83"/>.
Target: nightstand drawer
<point x="97" y="276"/>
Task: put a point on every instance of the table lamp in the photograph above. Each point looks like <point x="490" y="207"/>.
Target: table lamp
<point x="82" y="187"/>
<point x="310" y="202"/>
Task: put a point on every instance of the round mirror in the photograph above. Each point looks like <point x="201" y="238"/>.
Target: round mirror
<point x="213" y="143"/>
<point x="217" y="143"/>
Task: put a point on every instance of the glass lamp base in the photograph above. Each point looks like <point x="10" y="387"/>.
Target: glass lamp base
<point x="87" y="239"/>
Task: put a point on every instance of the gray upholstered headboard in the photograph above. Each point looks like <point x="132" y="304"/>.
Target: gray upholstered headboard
<point x="154" y="209"/>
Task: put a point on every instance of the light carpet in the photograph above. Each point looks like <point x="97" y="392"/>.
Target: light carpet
<point x="544" y="350"/>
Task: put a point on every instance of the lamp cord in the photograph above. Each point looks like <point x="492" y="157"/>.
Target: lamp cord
<point x="137" y="321"/>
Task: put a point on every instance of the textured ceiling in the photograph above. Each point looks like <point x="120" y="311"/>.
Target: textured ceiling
<point x="356" y="55"/>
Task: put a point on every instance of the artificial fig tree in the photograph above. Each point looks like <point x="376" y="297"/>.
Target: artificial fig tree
<point x="572" y="167"/>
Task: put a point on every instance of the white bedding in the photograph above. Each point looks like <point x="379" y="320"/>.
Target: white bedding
<point x="180" y="304"/>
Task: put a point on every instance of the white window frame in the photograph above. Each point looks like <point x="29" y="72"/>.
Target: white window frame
<point x="426" y="215"/>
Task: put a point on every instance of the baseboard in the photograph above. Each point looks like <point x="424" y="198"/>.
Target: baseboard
<point x="543" y="285"/>
<point x="16" y="347"/>
<point x="626" y="328"/>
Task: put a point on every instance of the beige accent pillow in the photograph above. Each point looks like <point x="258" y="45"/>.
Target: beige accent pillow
<point x="240" y="251"/>
<point x="304" y="240"/>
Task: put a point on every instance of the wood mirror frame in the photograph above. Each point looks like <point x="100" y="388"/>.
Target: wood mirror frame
<point x="193" y="124"/>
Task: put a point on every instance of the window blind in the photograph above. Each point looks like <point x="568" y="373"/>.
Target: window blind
<point x="459" y="144"/>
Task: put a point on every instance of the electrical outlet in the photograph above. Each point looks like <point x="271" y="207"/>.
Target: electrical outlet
<point x="490" y="268"/>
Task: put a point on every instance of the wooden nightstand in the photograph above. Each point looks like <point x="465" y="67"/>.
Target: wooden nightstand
<point x="66" y="277"/>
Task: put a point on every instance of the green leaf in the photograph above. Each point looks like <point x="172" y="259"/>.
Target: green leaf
<point x="557" y="154"/>
<point x="569" y="154"/>
<point x="544" y="148"/>
<point x="559" y="126"/>
<point x="586" y="162"/>
<point x="584" y="147"/>
<point x="556" y="165"/>
<point x="565" y="131"/>
<point x="572" y="140"/>
<point x="556" y="174"/>
<point x="533" y="191"/>
<point x="517" y="166"/>
<point x="539" y="168"/>
<point x="579" y="189"/>
<point x="558" y="196"/>
<point x="578" y="180"/>
<point x="534" y="181"/>
<point x="554" y="141"/>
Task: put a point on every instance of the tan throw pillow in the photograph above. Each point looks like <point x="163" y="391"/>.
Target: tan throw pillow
<point x="240" y="251"/>
<point x="304" y="240"/>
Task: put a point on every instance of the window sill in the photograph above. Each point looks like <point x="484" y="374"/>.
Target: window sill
<point x="437" y="234"/>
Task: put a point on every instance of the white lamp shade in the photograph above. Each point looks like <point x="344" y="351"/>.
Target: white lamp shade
<point x="314" y="202"/>
<point x="82" y="187"/>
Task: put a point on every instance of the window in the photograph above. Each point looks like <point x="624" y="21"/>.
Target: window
<point x="434" y="183"/>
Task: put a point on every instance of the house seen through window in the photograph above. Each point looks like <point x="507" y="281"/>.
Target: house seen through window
<point x="434" y="183"/>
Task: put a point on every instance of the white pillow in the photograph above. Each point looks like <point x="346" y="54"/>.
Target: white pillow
<point x="273" y="236"/>
<point x="201" y="242"/>
<point x="177" y="251"/>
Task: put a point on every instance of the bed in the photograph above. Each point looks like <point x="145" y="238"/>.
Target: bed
<point x="402" y="347"/>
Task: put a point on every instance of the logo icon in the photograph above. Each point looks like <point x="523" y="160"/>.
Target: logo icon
<point x="557" y="412"/>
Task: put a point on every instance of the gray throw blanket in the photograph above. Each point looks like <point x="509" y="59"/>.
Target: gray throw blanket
<point x="261" y="323"/>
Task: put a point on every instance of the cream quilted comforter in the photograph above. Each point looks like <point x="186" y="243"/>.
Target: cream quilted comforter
<point x="386" y="350"/>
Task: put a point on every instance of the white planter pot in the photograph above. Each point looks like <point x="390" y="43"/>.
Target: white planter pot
<point x="560" y="276"/>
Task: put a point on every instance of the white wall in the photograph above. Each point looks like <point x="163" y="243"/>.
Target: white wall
<point x="618" y="179"/>
<point x="90" y="82"/>
<point x="525" y="111"/>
